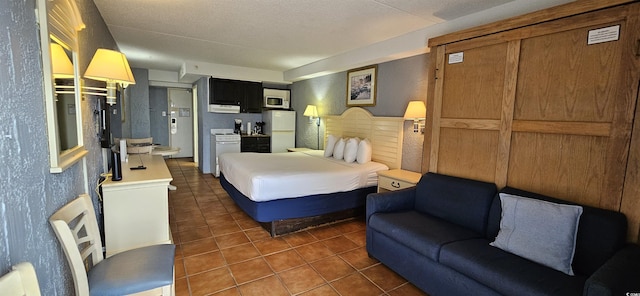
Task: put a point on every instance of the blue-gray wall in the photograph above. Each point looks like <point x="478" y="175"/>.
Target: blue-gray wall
<point x="29" y="193"/>
<point x="137" y="101"/>
<point x="158" y="103"/>
<point x="399" y="82"/>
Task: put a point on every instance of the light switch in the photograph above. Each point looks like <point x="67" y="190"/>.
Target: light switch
<point x="164" y="113"/>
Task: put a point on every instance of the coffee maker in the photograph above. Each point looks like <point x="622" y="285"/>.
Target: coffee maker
<point x="238" y="126"/>
<point x="259" y="127"/>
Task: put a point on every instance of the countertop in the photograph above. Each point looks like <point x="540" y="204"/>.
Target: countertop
<point x="256" y="135"/>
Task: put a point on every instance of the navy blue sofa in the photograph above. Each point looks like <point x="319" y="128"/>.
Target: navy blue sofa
<point x="437" y="235"/>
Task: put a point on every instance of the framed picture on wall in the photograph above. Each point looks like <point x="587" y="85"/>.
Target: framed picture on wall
<point x="361" y="86"/>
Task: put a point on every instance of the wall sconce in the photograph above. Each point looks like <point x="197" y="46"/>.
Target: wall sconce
<point x="417" y="112"/>
<point x="110" y="66"/>
<point x="60" y="62"/>
<point x="312" y="112"/>
<point x="62" y="68"/>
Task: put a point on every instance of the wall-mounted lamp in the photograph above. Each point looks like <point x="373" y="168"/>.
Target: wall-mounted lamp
<point x="60" y="62"/>
<point x="110" y="66"/>
<point x="312" y="112"/>
<point x="417" y="112"/>
<point x="62" y="68"/>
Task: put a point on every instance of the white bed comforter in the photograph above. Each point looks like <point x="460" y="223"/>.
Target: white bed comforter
<point x="270" y="176"/>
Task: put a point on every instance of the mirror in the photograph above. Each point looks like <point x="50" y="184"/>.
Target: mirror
<point x="59" y="25"/>
<point x="64" y="96"/>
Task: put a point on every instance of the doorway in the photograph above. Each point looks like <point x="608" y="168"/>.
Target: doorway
<point x="181" y="121"/>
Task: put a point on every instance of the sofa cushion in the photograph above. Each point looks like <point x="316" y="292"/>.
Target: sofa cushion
<point x="601" y="233"/>
<point x="422" y="233"/>
<point x="507" y="273"/>
<point x="461" y="201"/>
<point x="538" y="230"/>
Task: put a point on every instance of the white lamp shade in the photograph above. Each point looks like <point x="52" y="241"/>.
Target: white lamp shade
<point x="110" y="65"/>
<point x="60" y="62"/>
<point x="415" y="110"/>
<point x="311" y="111"/>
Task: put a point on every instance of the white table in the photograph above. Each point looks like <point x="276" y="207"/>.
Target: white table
<point x="165" y="150"/>
<point x="136" y="209"/>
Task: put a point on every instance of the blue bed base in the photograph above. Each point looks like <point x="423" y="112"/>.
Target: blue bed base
<point x="300" y="207"/>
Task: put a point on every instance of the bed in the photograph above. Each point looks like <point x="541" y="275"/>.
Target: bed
<point x="286" y="192"/>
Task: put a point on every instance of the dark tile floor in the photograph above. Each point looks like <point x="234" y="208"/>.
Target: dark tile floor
<point x="222" y="251"/>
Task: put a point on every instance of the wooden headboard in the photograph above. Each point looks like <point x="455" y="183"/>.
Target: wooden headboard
<point x="385" y="133"/>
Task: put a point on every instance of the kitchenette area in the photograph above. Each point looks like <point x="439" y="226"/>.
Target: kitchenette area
<point x="247" y="117"/>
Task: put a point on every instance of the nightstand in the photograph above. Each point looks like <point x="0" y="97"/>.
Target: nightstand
<point x="392" y="180"/>
<point x="298" y="149"/>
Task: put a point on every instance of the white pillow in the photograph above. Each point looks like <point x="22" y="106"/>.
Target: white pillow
<point x="351" y="149"/>
<point x="338" y="150"/>
<point x="331" y="143"/>
<point x="541" y="231"/>
<point x="364" y="151"/>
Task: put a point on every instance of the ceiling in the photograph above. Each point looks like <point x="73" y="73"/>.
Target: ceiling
<point x="299" y="37"/>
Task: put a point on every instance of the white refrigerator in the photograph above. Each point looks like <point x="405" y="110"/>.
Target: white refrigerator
<point x="281" y="126"/>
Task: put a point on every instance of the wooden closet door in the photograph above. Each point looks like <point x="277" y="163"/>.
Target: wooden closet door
<point x="572" y="116"/>
<point x="543" y="108"/>
<point x="469" y="110"/>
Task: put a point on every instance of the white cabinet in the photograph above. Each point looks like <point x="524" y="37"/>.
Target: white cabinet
<point x="136" y="209"/>
<point x="393" y="180"/>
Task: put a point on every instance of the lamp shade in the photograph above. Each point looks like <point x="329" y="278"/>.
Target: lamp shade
<point x="415" y="110"/>
<point x="110" y="65"/>
<point x="311" y="111"/>
<point x="60" y="62"/>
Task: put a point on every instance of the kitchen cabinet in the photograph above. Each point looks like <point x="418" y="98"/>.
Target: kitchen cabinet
<point x="546" y="102"/>
<point x="253" y="98"/>
<point x="246" y="94"/>
<point x="255" y="143"/>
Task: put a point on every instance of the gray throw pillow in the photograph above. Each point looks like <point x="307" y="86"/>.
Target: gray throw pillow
<point x="541" y="231"/>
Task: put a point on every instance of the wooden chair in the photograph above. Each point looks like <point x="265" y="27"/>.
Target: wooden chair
<point x="139" y="146"/>
<point x="147" y="269"/>
<point x="20" y="281"/>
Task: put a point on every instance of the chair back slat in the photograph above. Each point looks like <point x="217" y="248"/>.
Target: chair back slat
<point x="76" y="227"/>
<point x="139" y="146"/>
<point x="21" y="281"/>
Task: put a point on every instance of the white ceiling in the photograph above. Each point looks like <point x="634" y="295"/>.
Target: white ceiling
<point x="296" y="37"/>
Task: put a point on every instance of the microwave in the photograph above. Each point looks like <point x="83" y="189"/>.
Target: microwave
<point x="276" y="102"/>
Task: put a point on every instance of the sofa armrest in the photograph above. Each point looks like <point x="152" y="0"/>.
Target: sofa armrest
<point x="392" y="201"/>
<point x="618" y="276"/>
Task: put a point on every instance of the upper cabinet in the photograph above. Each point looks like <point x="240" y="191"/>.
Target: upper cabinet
<point x="60" y="22"/>
<point x="549" y="106"/>
<point x="246" y="94"/>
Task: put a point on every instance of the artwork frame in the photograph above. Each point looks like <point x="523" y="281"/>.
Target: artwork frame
<point x="362" y="86"/>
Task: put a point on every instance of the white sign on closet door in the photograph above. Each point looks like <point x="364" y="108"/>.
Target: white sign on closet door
<point x="604" y="35"/>
<point x="455" y="58"/>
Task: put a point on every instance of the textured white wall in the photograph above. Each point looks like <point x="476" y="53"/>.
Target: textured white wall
<point x="29" y="193"/>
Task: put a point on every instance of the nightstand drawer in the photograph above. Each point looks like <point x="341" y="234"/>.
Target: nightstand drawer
<point x="397" y="179"/>
<point x="393" y="184"/>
